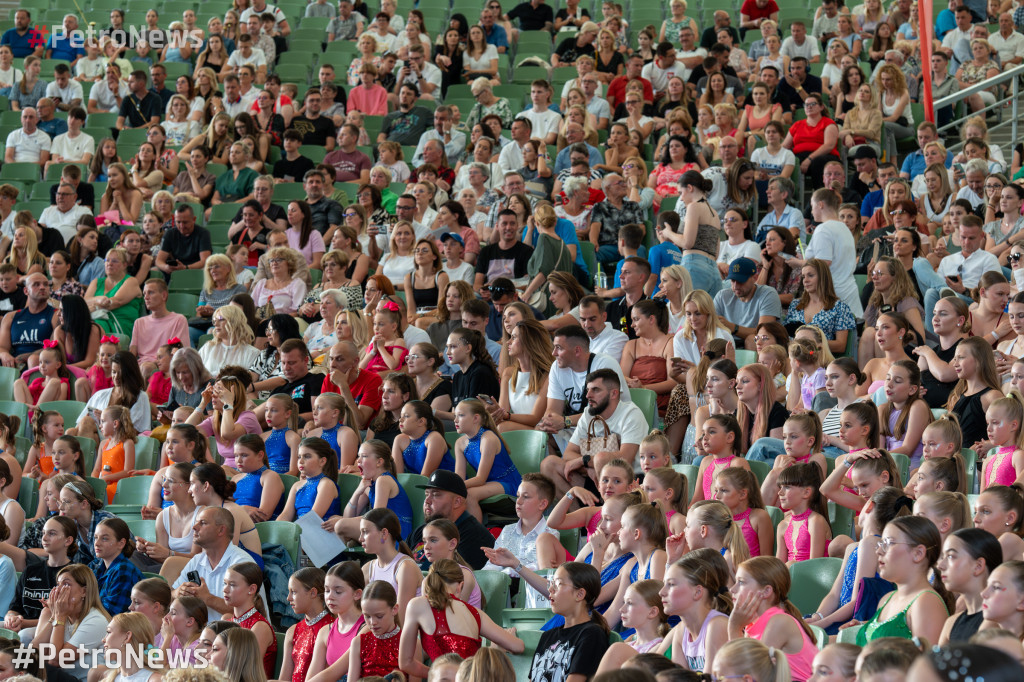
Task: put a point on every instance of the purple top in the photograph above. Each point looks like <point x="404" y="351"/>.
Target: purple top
<point x="246" y="420"/>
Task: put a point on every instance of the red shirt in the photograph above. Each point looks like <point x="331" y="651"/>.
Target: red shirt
<point x="806" y="139"/>
<point x="365" y="389"/>
<point x="751" y="10"/>
<point x="617" y="90"/>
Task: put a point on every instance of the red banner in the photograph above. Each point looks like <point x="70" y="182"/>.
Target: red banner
<point x="925" y="35"/>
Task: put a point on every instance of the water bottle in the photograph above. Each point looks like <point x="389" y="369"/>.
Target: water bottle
<point x="602" y="279"/>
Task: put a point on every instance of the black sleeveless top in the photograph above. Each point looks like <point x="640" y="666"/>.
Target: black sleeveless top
<point x="937" y="392"/>
<point x="965" y="625"/>
<point x="972" y="416"/>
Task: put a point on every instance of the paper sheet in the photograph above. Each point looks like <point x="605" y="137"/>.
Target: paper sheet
<point x="319" y="545"/>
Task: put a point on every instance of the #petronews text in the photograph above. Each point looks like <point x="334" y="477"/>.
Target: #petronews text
<point x="151" y="658"/>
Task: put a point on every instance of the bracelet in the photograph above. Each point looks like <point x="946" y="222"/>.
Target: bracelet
<point x="518" y="568"/>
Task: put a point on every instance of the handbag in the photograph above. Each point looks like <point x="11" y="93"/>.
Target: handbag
<point x="609" y="442"/>
<point x="548" y="255"/>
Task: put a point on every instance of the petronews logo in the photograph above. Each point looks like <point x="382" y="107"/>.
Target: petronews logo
<point x="130" y="35"/>
<point x="152" y="657"/>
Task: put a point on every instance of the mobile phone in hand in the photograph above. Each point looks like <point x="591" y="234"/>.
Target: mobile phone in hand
<point x="193" y="577"/>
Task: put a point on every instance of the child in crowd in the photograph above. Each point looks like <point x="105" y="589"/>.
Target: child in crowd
<point x="906" y="414"/>
<point x="1004" y="464"/>
<point x="481" y="447"/>
<point x="379" y="486"/>
<point x="239" y="255"/>
<point x="181" y="627"/>
<point x="114" y="546"/>
<point x="306" y="597"/>
<point x="258" y="489"/>
<point x="47" y="427"/>
<point x="282" y="440"/>
<point x="68" y="458"/>
<point x="668" y="488"/>
<point x="802" y="438"/>
<point x="317" y="489"/>
<point x="805" y="360"/>
<point x="242" y="583"/>
<point x="721" y="441"/>
<point x="54" y="382"/>
<point x="375" y="652"/>
<point x="737" y="489"/>
<point x="117" y="450"/>
<point x="804" y="533"/>
<point x="332" y="423"/>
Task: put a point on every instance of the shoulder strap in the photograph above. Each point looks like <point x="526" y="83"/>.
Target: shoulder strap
<point x="590" y="362"/>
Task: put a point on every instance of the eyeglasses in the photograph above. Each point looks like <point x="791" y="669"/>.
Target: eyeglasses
<point x="993" y="185"/>
<point x="421" y="251"/>
<point x="879" y="273"/>
<point x="410" y="356"/>
<point x="885" y="544"/>
<point x="65" y="503"/>
<point x="351" y="214"/>
<point x="276" y="260"/>
<point x="898" y="211"/>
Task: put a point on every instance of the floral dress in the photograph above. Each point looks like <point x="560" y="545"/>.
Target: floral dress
<point x="974" y="73"/>
<point x="793" y="285"/>
<point x="838" y="319"/>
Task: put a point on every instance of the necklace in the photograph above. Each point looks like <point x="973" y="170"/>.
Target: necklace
<point x="248" y="614"/>
<point x="391" y="634"/>
<point x="316" y="619"/>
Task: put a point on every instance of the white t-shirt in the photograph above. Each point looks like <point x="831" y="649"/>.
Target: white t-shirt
<point x="727" y="253"/>
<point x="142" y="419"/>
<point x="90" y="68"/>
<point x="659" y="77"/>
<point x="510" y="159"/>
<point x="279" y="16"/>
<point x="484" y="61"/>
<point x="255" y="59"/>
<point x="465" y="272"/>
<point x="28" y="147"/>
<point x="833" y="242"/>
<point x="11" y="75"/>
<point x="809" y="50"/>
<point x="67" y="95"/>
<point x="65" y="223"/>
<point x="627" y="420"/>
<point x="686" y="349"/>
<point x="104" y="98"/>
<point x="73" y="147"/>
<point x="180" y="133"/>
<point x="89" y="635"/>
<point x="544" y="122"/>
<point x="773" y="163"/>
<point x="569" y="386"/>
<point x="211" y="575"/>
<point x="609" y="342"/>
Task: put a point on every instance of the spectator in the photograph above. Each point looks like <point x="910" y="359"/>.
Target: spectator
<point x="348" y="25"/>
<point x="65" y="214"/>
<point x="20" y="38"/>
<point x="368" y="97"/>
<point x="722" y="20"/>
<point x="973" y="71"/>
<point x="446" y="495"/>
<point x="65" y="92"/>
<point x="151" y="331"/>
<point x="828" y="313"/>
<point x="235" y="185"/>
<point x="747" y="304"/>
<point x="798" y="45"/>
<point x="570" y="49"/>
<point x="609" y="215"/>
<point x="813" y="140"/>
<point x="326" y="213"/>
<point x="74" y="146"/>
<point x="506" y="257"/>
<point x="833" y="243"/>
<point x="780" y="191"/>
<point x="863" y="123"/>
<point x="186" y="247"/>
<point x="28" y="144"/>
<point x="316" y="129"/>
<point x="22" y="332"/>
<point x="421" y="73"/>
<point x="141" y="108"/>
<point x="408" y="122"/>
<point x="604" y="338"/>
<point x="633" y="278"/>
<point x="214" y="531"/>
<point x="664" y="67"/>
<point x="533" y="15"/>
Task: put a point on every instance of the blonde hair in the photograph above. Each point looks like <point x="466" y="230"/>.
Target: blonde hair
<point x="753" y="658"/>
<point x="223" y="261"/>
<point x="770" y="571"/>
<point x="717" y="517"/>
<point x="705" y="306"/>
<point x="948" y="428"/>
<point x="650" y="592"/>
<point x="141" y="630"/>
<point x="948" y="504"/>
<point x="675" y="481"/>
<point x="237" y="327"/>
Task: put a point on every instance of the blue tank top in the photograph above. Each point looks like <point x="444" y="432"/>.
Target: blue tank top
<point x="415" y="456"/>
<point x="306" y="496"/>
<point x="399" y="504"/>
<point x="278" y="452"/>
<point x="503" y="470"/>
<point x="330" y="436"/>
<point x="29" y="330"/>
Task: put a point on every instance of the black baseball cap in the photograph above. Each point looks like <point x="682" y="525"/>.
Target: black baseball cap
<point x="448" y="481"/>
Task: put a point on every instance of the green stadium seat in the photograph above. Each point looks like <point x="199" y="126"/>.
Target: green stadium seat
<point x="690" y="471"/>
<point x="133" y="490"/>
<point x="494" y="586"/>
<point x="815" y="578"/>
<point x="416" y="495"/>
<point x="347" y="484"/>
<point x="69" y="409"/>
<point x="647" y="401"/>
<point x="99" y="488"/>
<point x="143" y="528"/>
<point x="190" y="281"/>
<point x="281" y="533"/>
<point x="185" y="304"/>
<point x="29" y="172"/>
<point x="28" y="496"/>
<point x="527" y="448"/>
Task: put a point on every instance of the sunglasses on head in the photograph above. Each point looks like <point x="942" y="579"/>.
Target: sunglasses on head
<point x="499" y="290"/>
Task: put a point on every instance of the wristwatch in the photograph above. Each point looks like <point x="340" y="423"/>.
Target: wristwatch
<point x="586" y="460"/>
<point x="568" y="423"/>
<point x="570" y="496"/>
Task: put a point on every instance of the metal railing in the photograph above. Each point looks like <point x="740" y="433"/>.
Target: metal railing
<point x="1007" y="86"/>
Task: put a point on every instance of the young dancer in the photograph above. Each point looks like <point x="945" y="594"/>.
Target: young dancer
<point x="905" y="415"/>
<point x="333" y="420"/>
<point x="375" y="651"/>
<point x="380" y="534"/>
<point x="481" y="447"/>
<point x="117" y="450"/>
<point x="999" y="509"/>
<point x="942" y="439"/>
<point x="1004" y="465"/>
<point x="802" y="437"/>
<point x="969" y="556"/>
<point x="949" y="511"/>
<point x="696" y="590"/>
<point x="378" y="488"/>
<point x="317" y="489"/>
<point x="804" y="533"/>
<point x="1004" y="595"/>
<point x="47" y="427"/>
<point x="722" y="437"/>
<point x="282" y="440"/>
<point x="420" y="448"/>
<point x="737" y="489"/>
<point x="709" y="524"/>
<point x="654" y="451"/>
<point x="54" y="382"/>
<point x="343" y="589"/>
<point x="258" y="489"/>
<point x="615" y="479"/>
<point x="668" y="489"/>
<point x="306" y="597"/>
<point x="642" y="533"/>
<point x="808" y="376"/>
<point x="181" y="627"/>
<point x="842" y="377"/>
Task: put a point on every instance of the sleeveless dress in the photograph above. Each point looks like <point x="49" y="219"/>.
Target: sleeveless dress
<point x="503" y="470"/>
<point x="399" y="504"/>
<point x="749" y="534"/>
<point x="330" y="436"/>
<point x="894" y="627"/>
<point x="798" y="537"/>
<point x="800" y="663"/>
<point x="415" y="455"/>
<point x="651" y="369"/>
<point x="118" y="320"/>
<point x="965" y="625"/>
<point x="270" y="657"/>
<point x="716" y="465"/>
<point x="518" y="400"/>
<point x="444" y="641"/>
<point x="306" y="496"/>
<point x="35" y="389"/>
<point x="339" y="642"/>
<point x="379" y="654"/>
<point x="695" y="649"/>
<point x="303" y="640"/>
<point x="278" y="453"/>
<point x="890" y="442"/>
<point x="999" y="469"/>
<point x="113" y="461"/>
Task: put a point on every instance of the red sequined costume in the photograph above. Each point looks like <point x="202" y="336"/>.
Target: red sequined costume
<point x="270" y="657"/>
<point x="302" y="644"/>
<point x="379" y="654"/>
<point x="444" y="641"/>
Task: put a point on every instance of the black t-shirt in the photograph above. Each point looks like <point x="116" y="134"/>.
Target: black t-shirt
<point x="533" y="18"/>
<point x="325" y="213"/>
<point x="563" y="651"/>
<point x="580" y="13"/>
<point x="569" y="51"/>
<point x="611" y="67"/>
<point x="35" y="583"/>
<point x="314" y="131"/>
<point x="495" y="261"/>
<point x="776" y="418"/>
<point x="293" y="170"/>
<point x="273" y="213"/>
<point x="473" y="535"/>
<point x="13" y="301"/>
<point x="937" y="392"/>
<point x="479" y="379"/>
<point x="302" y="391"/>
<point x="186" y="249"/>
<point x="443" y="388"/>
<point x="620" y="316"/>
<point x="138" y="113"/>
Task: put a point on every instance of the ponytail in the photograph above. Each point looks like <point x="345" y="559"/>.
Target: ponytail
<point x="770" y="572"/>
<point x="252" y="575"/>
<point x="587" y="578"/>
<point x="443" y="572"/>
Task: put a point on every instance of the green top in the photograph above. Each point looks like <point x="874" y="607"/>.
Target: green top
<point x="894" y="627"/>
<point x="118" y="320"/>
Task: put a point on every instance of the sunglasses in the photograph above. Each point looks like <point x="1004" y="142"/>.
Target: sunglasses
<point x="1015" y="256"/>
<point x="499" y="290"/>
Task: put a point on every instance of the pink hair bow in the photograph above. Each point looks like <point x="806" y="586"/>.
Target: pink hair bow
<point x="50" y="343"/>
<point x="392" y="306"/>
<point x="110" y="339"/>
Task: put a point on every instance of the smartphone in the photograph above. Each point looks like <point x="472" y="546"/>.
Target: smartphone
<point x="486" y="398"/>
<point x="958" y="167"/>
<point x="193" y="577"/>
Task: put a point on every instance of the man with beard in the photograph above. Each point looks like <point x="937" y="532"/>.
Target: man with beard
<point x="445" y="498"/>
<point x="624" y="419"/>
